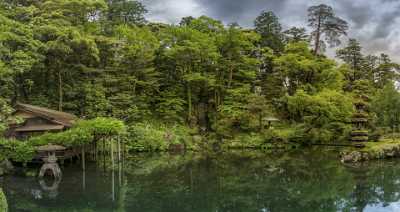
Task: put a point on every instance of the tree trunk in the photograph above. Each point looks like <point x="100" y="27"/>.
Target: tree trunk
<point x="189" y="96"/>
<point x="60" y="91"/>
<point x="230" y="77"/>
<point x="318" y="37"/>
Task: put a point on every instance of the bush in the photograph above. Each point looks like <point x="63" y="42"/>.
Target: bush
<point x="149" y="137"/>
<point x="82" y="133"/>
<point x="3" y="202"/>
<point x="16" y="150"/>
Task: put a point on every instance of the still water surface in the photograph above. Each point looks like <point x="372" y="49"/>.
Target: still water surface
<point x="312" y="180"/>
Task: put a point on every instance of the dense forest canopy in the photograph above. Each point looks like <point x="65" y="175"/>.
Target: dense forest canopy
<point x="102" y="58"/>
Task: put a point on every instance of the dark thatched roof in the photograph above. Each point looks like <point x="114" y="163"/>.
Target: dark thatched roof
<point x="54" y="116"/>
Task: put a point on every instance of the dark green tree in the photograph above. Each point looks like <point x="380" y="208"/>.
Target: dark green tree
<point x="351" y="55"/>
<point x="268" y="26"/>
<point x="296" y="34"/>
<point x="126" y="12"/>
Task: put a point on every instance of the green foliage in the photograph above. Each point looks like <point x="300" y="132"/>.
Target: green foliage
<point x="385" y="104"/>
<point x="16" y="151"/>
<point x="268" y="26"/>
<point x="5" y="115"/>
<point x="296" y="34"/>
<point x="324" y="115"/>
<point x="101" y="58"/>
<point x="3" y="202"/>
<point x="84" y="132"/>
<point x="102" y="126"/>
<point x="126" y="12"/>
<point x="148" y="137"/>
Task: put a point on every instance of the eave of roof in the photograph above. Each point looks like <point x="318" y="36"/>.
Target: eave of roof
<point x="54" y="116"/>
<point x="39" y="128"/>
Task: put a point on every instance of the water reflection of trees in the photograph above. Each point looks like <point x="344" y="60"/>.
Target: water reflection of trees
<point x="236" y="181"/>
<point x="313" y="181"/>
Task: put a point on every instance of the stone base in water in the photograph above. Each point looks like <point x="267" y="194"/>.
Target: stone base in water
<point x="372" y="151"/>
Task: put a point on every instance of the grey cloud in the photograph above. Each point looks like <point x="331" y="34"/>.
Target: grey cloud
<point x="373" y="22"/>
<point x="358" y="14"/>
<point x="386" y="23"/>
<point x="242" y="12"/>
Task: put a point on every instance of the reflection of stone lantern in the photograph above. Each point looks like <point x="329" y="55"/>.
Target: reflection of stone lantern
<point x="52" y="190"/>
<point x="50" y="162"/>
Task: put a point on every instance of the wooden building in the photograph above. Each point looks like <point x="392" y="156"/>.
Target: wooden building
<point x="38" y="120"/>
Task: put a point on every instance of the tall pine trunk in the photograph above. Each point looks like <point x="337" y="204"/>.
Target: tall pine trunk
<point x="60" y="91"/>
<point x="189" y="96"/>
<point x="230" y="77"/>
<point x="318" y="37"/>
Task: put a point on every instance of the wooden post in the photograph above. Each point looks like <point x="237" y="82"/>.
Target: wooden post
<point x="112" y="153"/>
<point x="83" y="158"/>
<point x="120" y="173"/>
<point x="104" y="148"/>
<point x="84" y="180"/>
<point x="119" y="150"/>
<point x="96" y="151"/>
<point x="113" y="185"/>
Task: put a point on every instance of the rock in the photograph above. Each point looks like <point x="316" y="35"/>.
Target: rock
<point x="352" y="157"/>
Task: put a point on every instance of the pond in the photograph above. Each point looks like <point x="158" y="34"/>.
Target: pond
<point x="307" y="180"/>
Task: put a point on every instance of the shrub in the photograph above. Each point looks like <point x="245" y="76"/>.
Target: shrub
<point x="82" y="133"/>
<point x="3" y="201"/>
<point x="144" y="137"/>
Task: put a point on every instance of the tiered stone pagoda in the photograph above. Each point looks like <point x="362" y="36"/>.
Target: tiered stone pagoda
<point x="360" y="121"/>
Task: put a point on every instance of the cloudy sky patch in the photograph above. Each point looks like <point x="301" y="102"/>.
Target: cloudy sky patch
<point x="375" y="23"/>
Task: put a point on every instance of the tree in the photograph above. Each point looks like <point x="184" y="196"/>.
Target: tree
<point x="186" y="21"/>
<point x="386" y="72"/>
<point x="268" y="26"/>
<point x="324" y="22"/>
<point x="203" y="24"/>
<point x="386" y="106"/>
<point x="126" y="12"/>
<point x="191" y="55"/>
<point x="296" y="34"/>
<point x="19" y="53"/>
<point x="131" y="80"/>
<point x="236" y="48"/>
<point x="298" y="68"/>
<point x="351" y="55"/>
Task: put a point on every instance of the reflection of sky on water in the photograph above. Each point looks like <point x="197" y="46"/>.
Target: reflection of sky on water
<point x="392" y="207"/>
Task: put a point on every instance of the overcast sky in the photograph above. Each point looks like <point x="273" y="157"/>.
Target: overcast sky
<point x="375" y="23"/>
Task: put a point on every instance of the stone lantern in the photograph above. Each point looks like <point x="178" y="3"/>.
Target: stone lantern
<point x="50" y="161"/>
